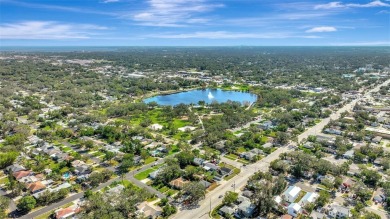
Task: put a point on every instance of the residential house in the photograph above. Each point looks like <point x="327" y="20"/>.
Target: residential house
<point x="178" y="183"/>
<point x="378" y="161"/>
<point x="328" y="140"/>
<point x="225" y="211"/>
<point x="286" y="216"/>
<point x="327" y="177"/>
<point x="226" y="171"/>
<point x="205" y="183"/>
<point x="379" y="196"/>
<point x="337" y="211"/>
<point x="377" y="139"/>
<point x="267" y="145"/>
<point x="153" y="175"/>
<point x="68" y="212"/>
<point x="291" y="193"/>
<point x="247" y="193"/>
<point x="257" y="151"/>
<point x="248" y="155"/>
<point x="349" y="154"/>
<point x="308" y="145"/>
<point x="246" y="209"/>
<point x="198" y="161"/>
<point x="83" y="170"/>
<point x="309" y="197"/>
<point x="354" y="170"/>
<point x="210" y="167"/>
<point x="333" y="131"/>
<point x="266" y="125"/>
<point x="148" y="210"/>
<point x="31" y="179"/>
<point x="115" y="190"/>
<point x="36" y="187"/>
<point x="187" y="128"/>
<point x="347" y="184"/>
<point x="137" y="159"/>
<point x="156" y="127"/>
<point x="59" y="187"/>
<point x="23" y="173"/>
<point x="15" y="168"/>
<point x="294" y="209"/>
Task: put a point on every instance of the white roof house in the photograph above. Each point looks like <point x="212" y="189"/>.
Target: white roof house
<point x="278" y="199"/>
<point x="337" y="211"/>
<point x="294" y="209"/>
<point x="310" y="197"/>
<point x="187" y="128"/>
<point x="291" y="193"/>
<point x="156" y="127"/>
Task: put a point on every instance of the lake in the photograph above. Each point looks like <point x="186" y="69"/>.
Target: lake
<point x="207" y="95"/>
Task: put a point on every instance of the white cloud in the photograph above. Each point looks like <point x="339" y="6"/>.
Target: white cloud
<point x="47" y="30"/>
<point x="230" y="35"/>
<point x="321" y="29"/>
<point x="335" y="5"/>
<point x="110" y="1"/>
<point x="173" y="13"/>
<point x="384" y="12"/>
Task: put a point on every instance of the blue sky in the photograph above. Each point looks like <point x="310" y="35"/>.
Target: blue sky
<point x="193" y="22"/>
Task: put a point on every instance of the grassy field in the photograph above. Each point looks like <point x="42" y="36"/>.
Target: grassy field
<point x="241" y="149"/>
<point x="150" y="160"/>
<point x="143" y="175"/>
<point x="231" y="156"/>
<point x="174" y="149"/>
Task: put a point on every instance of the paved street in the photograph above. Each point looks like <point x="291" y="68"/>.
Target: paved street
<point x="240" y="181"/>
<point x="348" y="107"/>
<point x="212" y="200"/>
<point x="128" y="176"/>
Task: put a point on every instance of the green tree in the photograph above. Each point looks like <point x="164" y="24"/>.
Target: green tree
<point x="323" y="198"/>
<point x="371" y="215"/>
<point x="109" y="155"/>
<point x="230" y="198"/>
<point x="4" y="202"/>
<point x="195" y="191"/>
<point x="27" y="203"/>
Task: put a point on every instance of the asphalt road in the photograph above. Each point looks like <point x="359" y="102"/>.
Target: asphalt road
<point x="212" y="199"/>
<point x="129" y="176"/>
<point x="348" y="107"/>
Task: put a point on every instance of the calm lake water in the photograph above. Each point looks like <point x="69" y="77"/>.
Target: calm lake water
<point x="207" y="95"/>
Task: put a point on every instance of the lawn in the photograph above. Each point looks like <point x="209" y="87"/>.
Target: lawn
<point x="214" y="213"/>
<point x="4" y="180"/>
<point x="150" y="160"/>
<point x="178" y="123"/>
<point x="174" y="149"/>
<point x="66" y="149"/>
<point x="163" y="189"/>
<point x="241" y="150"/>
<point x="300" y="196"/>
<point x="236" y="171"/>
<point x="243" y="161"/>
<point x="231" y="156"/>
<point x="143" y="175"/>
